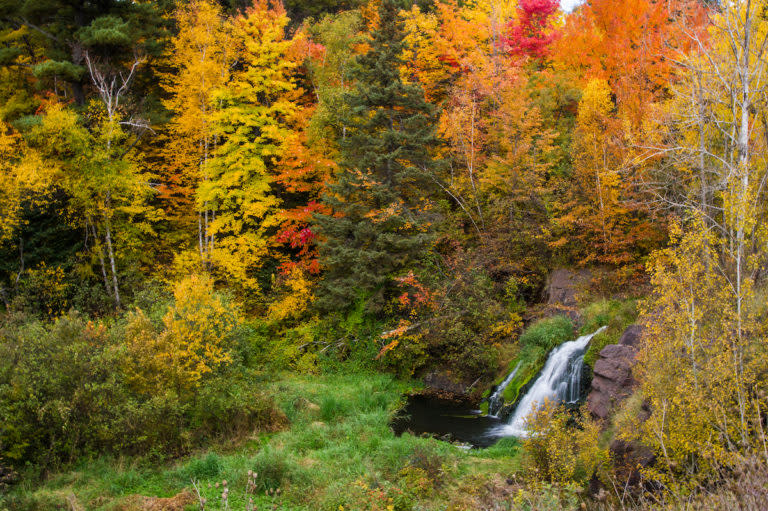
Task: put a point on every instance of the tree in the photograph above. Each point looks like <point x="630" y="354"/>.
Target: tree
<point x="595" y="210"/>
<point x="702" y="380"/>
<point x="532" y="32"/>
<point x="107" y="190"/>
<point x="253" y="123"/>
<point x="22" y="176"/>
<point x="378" y="227"/>
<point x="603" y="36"/>
<point x="200" y="57"/>
<point x="50" y="39"/>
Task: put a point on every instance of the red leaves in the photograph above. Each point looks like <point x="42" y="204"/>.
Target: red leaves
<point x="532" y="32"/>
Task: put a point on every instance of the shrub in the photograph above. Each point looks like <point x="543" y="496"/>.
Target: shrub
<point x="563" y="447"/>
<point x="68" y="389"/>
<point x="196" y="339"/>
<point x="616" y="315"/>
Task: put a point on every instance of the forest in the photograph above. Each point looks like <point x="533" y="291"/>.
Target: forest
<point x="383" y="255"/>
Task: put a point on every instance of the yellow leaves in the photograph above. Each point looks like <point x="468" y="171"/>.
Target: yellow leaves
<point x="595" y="105"/>
<point x="296" y="297"/>
<point x="560" y="451"/>
<point x="192" y="344"/>
<point x="255" y="107"/>
<point x="691" y="367"/>
<point x="23" y="175"/>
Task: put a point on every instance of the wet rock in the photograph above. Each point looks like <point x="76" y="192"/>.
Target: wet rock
<point x="612" y="382"/>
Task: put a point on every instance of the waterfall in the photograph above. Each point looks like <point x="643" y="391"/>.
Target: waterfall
<point x="496" y="401"/>
<point x="559" y="381"/>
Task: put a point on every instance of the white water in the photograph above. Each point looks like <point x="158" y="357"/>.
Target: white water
<point x="559" y="381"/>
<point x="496" y="401"/>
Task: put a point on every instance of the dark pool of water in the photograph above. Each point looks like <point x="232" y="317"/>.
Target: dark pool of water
<point x="447" y="420"/>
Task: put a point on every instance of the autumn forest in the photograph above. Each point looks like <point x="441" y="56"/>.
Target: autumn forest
<point x="383" y="255"/>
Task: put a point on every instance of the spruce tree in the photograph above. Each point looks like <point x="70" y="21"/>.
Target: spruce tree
<point x="378" y="227"/>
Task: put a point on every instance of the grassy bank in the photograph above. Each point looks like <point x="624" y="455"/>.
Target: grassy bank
<point x="615" y="315"/>
<point x="338" y="452"/>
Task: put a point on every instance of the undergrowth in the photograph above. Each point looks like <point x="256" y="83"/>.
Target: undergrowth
<point x="615" y="315"/>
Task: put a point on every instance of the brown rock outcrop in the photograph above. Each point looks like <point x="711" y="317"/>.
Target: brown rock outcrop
<point x="612" y="381"/>
<point x="564" y="285"/>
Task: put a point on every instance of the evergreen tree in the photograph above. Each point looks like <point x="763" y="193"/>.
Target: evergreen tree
<point x="378" y="226"/>
<point x="48" y="40"/>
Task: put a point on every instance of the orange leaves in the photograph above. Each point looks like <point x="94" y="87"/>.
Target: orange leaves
<point x="627" y="44"/>
<point x="415" y="295"/>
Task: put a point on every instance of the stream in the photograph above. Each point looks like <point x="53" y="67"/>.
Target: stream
<point x="558" y="381"/>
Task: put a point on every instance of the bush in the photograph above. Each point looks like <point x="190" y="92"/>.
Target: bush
<point x="67" y="389"/>
<point x="563" y="447"/>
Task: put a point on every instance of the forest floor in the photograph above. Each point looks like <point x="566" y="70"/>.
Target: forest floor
<point x="338" y="452"/>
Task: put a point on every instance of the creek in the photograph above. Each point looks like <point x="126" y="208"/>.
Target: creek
<point x="559" y="381"/>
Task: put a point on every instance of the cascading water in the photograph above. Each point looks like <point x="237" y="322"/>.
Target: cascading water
<point x="559" y="381"/>
<point x="496" y="401"/>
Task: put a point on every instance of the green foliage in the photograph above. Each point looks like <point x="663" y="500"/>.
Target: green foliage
<point x="207" y="467"/>
<point x="106" y="31"/>
<point x="77" y="400"/>
<point x="616" y="315"/>
<point x="378" y="229"/>
<point x="60" y="69"/>
<point x="548" y="333"/>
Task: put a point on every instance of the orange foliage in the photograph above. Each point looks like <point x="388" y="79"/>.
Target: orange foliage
<point x="629" y="45"/>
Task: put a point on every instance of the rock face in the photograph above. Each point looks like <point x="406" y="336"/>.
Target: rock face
<point x="612" y="381"/>
<point x="631" y="336"/>
<point x="564" y="286"/>
<point x="441" y="382"/>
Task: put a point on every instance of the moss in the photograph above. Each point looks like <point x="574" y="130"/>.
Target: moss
<point x="535" y="344"/>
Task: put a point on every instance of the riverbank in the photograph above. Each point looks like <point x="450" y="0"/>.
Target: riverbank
<point x="338" y="452"/>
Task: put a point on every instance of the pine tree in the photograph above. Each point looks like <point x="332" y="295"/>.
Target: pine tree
<point x="378" y="227"/>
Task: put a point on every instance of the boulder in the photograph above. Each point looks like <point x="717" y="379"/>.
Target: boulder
<point x="632" y="336"/>
<point x="612" y="381"/>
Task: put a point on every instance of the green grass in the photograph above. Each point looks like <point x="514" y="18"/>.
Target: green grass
<point x="337" y="451"/>
<point x="616" y="315"/>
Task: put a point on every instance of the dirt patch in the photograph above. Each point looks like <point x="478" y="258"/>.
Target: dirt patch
<point x="141" y="503"/>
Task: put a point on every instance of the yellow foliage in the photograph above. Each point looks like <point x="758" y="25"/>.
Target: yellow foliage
<point x="22" y="175"/>
<point x="296" y="297"/>
<point x="701" y="379"/>
<point x="563" y="448"/>
<point x="193" y="343"/>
